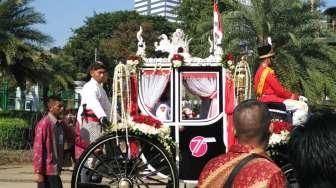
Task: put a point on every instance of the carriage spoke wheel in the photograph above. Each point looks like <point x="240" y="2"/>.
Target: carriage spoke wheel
<point x="110" y="162"/>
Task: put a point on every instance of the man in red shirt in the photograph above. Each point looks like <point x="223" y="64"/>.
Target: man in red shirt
<point x="269" y="89"/>
<point x="251" y="123"/>
<point x="48" y="146"/>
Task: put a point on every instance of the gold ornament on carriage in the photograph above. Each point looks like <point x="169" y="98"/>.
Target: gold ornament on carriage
<point x="242" y="78"/>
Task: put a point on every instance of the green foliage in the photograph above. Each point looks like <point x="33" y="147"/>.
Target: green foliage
<point x="21" y="124"/>
<point x="114" y="36"/>
<point x="12" y="133"/>
<point x="20" y="43"/>
<point x="196" y="19"/>
<point x="62" y="71"/>
<point x="30" y="117"/>
<point x="21" y="55"/>
<point x="303" y="62"/>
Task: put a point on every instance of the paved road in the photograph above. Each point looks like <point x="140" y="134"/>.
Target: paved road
<point x="21" y="176"/>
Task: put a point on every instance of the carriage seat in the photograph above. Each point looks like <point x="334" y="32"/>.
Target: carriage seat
<point x="276" y="106"/>
<point x="278" y="111"/>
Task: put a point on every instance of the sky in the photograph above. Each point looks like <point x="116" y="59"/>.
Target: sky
<point x="331" y="3"/>
<point x="64" y="15"/>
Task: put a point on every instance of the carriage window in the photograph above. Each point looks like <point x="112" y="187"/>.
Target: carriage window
<point x="155" y="93"/>
<point x="199" y="95"/>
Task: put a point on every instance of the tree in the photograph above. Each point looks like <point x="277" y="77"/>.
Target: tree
<point x="61" y="71"/>
<point x="20" y="43"/>
<point x="305" y="63"/>
<point x="114" y="36"/>
<point x="196" y="19"/>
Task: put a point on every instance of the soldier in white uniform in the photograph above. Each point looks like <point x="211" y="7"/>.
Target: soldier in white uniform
<point x="95" y="107"/>
<point x="92" y="115"/>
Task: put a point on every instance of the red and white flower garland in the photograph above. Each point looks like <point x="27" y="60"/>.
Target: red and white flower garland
<point x="280" y="133"/>
<point x="134" y="62"/>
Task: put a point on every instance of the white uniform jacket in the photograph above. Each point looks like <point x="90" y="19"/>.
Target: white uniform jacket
<point x="95" y="98"/>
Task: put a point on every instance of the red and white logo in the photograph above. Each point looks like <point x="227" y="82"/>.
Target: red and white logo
<point x="198" y="145"/>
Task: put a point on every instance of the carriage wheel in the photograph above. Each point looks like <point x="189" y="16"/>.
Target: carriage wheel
<point x="109" y="163"/>
<point x="290" y="174"/>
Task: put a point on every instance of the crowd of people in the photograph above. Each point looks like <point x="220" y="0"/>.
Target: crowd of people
<point x="312" y="148"/>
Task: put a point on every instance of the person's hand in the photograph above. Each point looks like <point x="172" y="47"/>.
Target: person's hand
<point x="104" y="122"/>
<point x="39" y="178"/>
<point x="294" y="96"/>
<point x="303" y="99"/>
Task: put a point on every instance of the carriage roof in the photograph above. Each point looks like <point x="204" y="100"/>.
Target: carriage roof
<point x="171" y="45"/>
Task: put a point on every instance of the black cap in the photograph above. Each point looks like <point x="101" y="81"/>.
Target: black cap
<point x="265" y="51"/>
<point x="97" y="65"/>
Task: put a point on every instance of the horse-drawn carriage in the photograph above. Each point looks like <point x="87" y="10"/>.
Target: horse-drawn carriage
<point x="192" y="97"/>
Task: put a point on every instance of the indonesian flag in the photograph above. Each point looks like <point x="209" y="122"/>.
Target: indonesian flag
<point x="217" y="27"/>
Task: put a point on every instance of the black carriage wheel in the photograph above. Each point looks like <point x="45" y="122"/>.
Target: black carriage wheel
<point x="109" y="162"/>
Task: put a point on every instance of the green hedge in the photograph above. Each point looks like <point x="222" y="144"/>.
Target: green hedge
<point x="15" y="133"/>
<point x="26" y="115"/>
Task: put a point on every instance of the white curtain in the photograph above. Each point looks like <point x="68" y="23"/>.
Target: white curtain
<point x="203" y="85"/>
<point x="153" y="83"/>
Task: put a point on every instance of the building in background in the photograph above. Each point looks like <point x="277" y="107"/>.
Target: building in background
<point x="331" y="18"/>
<point x="165" y="8"/>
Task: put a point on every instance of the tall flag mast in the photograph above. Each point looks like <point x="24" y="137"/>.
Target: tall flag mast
<point x="217" y="27"/>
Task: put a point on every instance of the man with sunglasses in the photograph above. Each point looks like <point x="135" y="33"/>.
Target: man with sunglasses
<point x="269" y="89"/>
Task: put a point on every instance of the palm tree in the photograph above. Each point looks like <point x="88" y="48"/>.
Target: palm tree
<point x="305" y="63"/>
<point x="20" y="43"/>
<point x="61" y="72"/>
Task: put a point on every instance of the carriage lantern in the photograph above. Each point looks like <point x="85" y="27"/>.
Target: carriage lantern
<point x="242" y="75"/>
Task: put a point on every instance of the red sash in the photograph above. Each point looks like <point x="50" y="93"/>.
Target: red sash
<point x="89" y="116"/>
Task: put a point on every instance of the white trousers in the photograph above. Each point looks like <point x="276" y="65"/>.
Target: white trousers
<point x="299" y="109"/>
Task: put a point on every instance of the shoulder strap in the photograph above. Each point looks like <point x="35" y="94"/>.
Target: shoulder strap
<point x="238" y="167"/>
<point x="262" y="79"/>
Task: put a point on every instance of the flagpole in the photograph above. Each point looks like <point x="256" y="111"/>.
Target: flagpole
<point x="217" y="30"/>
<point x="95" y="55"/>
<point x="213" y="27"/>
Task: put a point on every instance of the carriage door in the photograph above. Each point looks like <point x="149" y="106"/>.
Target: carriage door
<point x="155" y="94"/>
<point x="200" y="95"/>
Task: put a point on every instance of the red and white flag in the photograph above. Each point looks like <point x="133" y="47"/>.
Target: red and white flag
<point x="217" y="27"/>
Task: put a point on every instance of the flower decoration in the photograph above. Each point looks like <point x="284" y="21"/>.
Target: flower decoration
<point x="177" y="60"/>
<point x="280" y="133"/>
<point x="134" y="62"/>
<point x="148" y="120"/>
<point x="149" y="126"/>
<point x="229" y="63"/>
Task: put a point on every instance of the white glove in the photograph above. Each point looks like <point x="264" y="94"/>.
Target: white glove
<point x="303" y="99"/>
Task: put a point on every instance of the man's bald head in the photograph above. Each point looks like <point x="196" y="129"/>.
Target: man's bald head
<point x="252" y="121"/>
